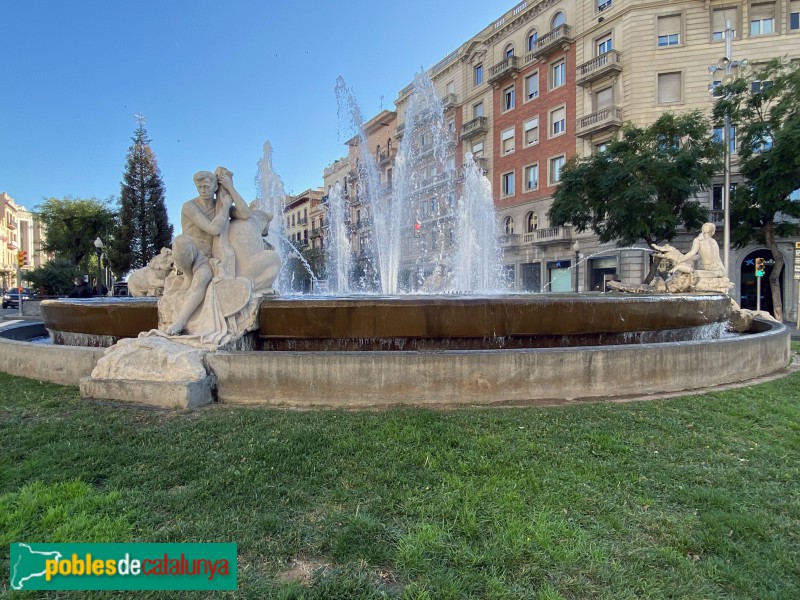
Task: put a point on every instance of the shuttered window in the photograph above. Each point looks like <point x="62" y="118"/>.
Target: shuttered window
<point x="669" y="30"/>
<point x="669" y="87"/>
<point x="604" y="98"/>
<point x="558" y="121"/>
<point x="794" y="15"/>
<point x="762" y="18"/>
<point x="508" y="141"/>
<point x="718" y="19"/>
<point x="531" y="129"/>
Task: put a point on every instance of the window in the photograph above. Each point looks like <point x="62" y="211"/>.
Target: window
<point x="531" y="222"/>
<point x="716" y="135"/>
<point x="531" y="178"/>
<point x="717" y="201"/>
<point x="762" y="18"/>
<point x="669" y="87"/>
<point x="508" y="188"/>
<point x="507" y="140"/>
<point x="719" y="19"/>
<point x="434" y="206"/>
<point x="601" y="147"/>
<point x="794" y="15"/>
<point x="604" y="45"/>
<point x="533" y="36"/>
<point x="508" y="98"/>
<point x="451" y="87"/>
<point x="477" y="150"/>
<point x="603" y="99"/>
<point x="669" y="30"/>
<point x="531" y="131"/>
<point x="558" y="19"/>
<point x="756" y="87"/>
<point x="477" y="110"/>
<point x="795" y="195"/>
<point x="558" y="74"/>
<point x="451" y="200"/>
<point x="508" y="225"/>
<point x="451" y="125"/>
<point x="603" y="5"/>
<point x="555" y="168"/>
<point x="478" y="74"/>
<point x="509" y="51"/>
<point x="532" y="86"/>
<point x="558" y="121"/>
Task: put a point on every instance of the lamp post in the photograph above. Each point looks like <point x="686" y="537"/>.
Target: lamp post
<point x="577" y="248"/>
<point x="98" y="247"/>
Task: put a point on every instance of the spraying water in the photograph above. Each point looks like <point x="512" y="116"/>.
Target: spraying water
<point x="270" y="197"/>
<point x="477" y="259"/>
<point x="338" y="256"/>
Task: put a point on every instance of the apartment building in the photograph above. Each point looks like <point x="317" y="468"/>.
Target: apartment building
<point x="555" y="78"/>
<point x="19" y="230"/>
<point x="296" y="213"/>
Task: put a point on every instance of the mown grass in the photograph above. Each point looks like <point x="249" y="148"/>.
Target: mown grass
<point x="695" y="497"/>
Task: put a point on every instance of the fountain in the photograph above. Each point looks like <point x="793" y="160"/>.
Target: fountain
<point x="241" y="345"/>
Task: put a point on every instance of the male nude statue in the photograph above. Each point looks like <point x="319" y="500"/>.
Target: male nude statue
<point x="706" y="247"/>
<point x="204" y="221"/>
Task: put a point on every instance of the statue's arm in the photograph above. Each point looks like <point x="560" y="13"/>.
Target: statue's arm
<point x="239" y="208"/>
<point x="213" y="226"/>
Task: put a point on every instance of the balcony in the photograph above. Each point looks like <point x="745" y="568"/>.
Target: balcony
<point x="302" y="221"/>
<point x="599" y="67"/>
<point x="506" y="67"/>
<point x="550" y="41"/>
<point x="386" y="156"/>
<point x="549" y="235"/>
<point x="509" y="239"/>
<point x="316" y="233"/>
<point x="717" y="216"/>
<point x="363" y="223"/>
<point x="400" y="130"/>
<point x="11" y="223"/>
<point x="449" y="102"/>
<point x="603" y="120"/>
<point x="474" y="128"/>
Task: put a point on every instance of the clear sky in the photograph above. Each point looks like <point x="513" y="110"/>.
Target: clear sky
<point x="214" y="79"/>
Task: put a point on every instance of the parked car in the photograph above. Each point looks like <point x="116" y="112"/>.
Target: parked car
<point x="121" y="288"/>
<point x="11" y="297"/>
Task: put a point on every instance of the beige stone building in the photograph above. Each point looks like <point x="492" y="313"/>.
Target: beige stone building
<point x="19" y="230"/>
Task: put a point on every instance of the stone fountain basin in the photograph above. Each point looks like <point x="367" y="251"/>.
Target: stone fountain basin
<point x="417" y="322"/>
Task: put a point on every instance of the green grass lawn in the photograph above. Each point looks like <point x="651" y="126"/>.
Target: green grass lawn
<point x="695" y="497"/>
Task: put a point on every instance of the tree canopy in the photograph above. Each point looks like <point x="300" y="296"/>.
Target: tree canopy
<point x="764" y="106"/>
<point x="143" y="226"/>
<point x="643" y="185"/>
<point x="72" y="226"/>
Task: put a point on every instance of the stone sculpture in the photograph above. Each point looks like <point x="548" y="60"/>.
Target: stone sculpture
<point x="222" y="270"/>
<point x="149" y="280"/>
<point x="222" y="266"/>
<point x="684" y="277"/>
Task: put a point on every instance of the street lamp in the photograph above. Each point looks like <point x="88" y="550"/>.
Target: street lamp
<point x="98" y="247"/>
<point x="577" y="248"/>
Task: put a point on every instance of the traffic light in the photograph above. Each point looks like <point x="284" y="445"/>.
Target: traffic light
<point x="22" y="258"/>
<point x="760" y="267"/>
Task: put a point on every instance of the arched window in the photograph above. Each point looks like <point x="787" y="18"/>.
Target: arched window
<point x="532" y="37"/>
<point x="509" y="51"/>
<point x="509" y="225"/>
<point x="531" y="222"/>
<point x="558" y="19"/>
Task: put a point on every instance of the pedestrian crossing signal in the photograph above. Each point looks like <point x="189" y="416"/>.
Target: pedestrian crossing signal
<point x="760" y="266"/>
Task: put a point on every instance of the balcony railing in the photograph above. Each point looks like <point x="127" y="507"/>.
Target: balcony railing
<point x="548" y="42"/>
<point x="607" y="118"/>
<point x="599" y="67"/>
<point x="386" y="155"/>
<point x="400" y="130"/>
<point x="449" y="101"/>
<point x="717" y="216"/>
<point x="509" y="239"/>
<point x="507" y="66"/>
<point x="548" y="235"/>
<point x="12" y="223"/>
<point x="316" y="233"/>
<point x="475" y="127"/>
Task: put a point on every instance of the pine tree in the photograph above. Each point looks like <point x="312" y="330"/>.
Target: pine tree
<point x="143" y="226"/>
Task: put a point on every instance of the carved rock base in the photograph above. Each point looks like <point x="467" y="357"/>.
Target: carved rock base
<point x="161" y="394"/>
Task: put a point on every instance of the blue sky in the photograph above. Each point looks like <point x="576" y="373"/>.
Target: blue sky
<point x="215" y="80"/>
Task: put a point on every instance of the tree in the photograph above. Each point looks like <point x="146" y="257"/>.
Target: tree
<point x="764" y="106"/>
<point x="73" y="224"/>
<point x="55" y="277"/>
<point x="642" y="187"/>
<point x="143" y="226"/>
